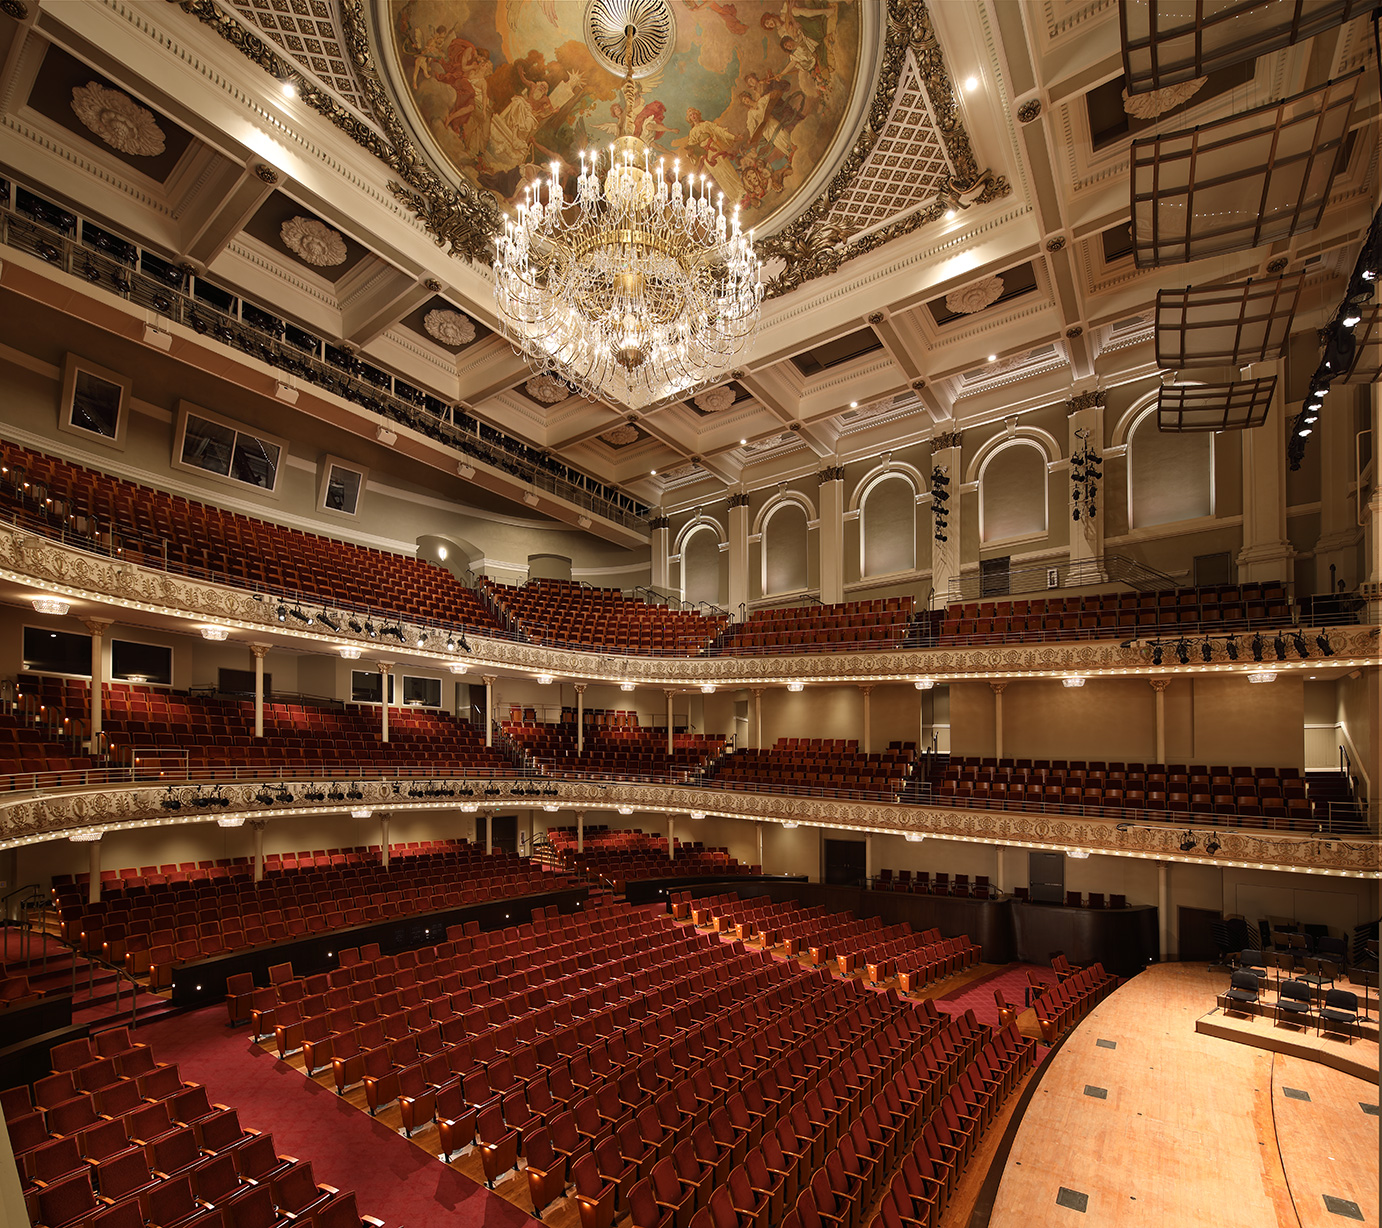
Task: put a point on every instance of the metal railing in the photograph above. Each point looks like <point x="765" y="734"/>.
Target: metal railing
<point x="488" y="786"/>
<point x="1110" y="568"/>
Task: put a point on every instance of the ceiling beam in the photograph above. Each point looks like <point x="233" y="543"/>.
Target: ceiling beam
<point x="238" y="198"/>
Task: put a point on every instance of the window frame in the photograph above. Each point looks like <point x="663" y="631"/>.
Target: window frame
<point x="329" y="463"/>
<point x="73" y="366"/>
<point x="187" y="409"/>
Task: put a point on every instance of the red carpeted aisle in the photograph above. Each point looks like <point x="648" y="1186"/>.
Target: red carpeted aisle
<point x="392" y="1179"/>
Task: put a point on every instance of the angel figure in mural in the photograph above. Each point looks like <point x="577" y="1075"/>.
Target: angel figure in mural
<point x="706" y="141"/>
<point x="425" y="48"/>
<point x="467" y="72"/>
<point x="806" y="32"/>
<point x="726" y="11"/>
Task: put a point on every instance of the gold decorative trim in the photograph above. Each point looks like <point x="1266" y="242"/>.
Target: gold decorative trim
<point x="945" y="439"/>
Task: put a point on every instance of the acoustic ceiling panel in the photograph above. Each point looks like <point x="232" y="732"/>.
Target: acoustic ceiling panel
<point x="1215" y="407"/>
<point x="1229" y="325"/>
<point x="1239" y="182"/>
<point x="1166" y="42"/>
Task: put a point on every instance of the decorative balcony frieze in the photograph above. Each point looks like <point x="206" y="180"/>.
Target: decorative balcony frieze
<point x="107" y="806"/>
<point x="27" y="558"/>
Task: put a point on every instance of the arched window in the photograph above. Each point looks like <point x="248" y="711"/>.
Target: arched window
<point x="888" y="526"/>
<point x="702" y="566"/>
<point x="1170" y="473"/>
<point x="1012" y="492"/>
<point x="784" y="549"/>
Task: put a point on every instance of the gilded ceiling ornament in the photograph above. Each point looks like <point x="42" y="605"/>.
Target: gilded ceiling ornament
<point x="625" y="433"/>
<point x="449" y="327"/>
<point x="1278" y="265"/>
<point x="1029" y="110"/>
<point x="266" y="173"/>
<point x="969" y="299"/>
<point x="715" y="400"/>
<point x="1075" y="330"/>
<point x="1056" y="244"/>
<point x="118" y="120"/>
<point x="1157" y="102"/>
<point x="547" y="388"/>
<point x="313" y="242"/>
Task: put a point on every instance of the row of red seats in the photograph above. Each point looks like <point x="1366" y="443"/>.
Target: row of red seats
<point x="941" y="884"/>
<point x="114" y="1139"/>
<point x="821" y="628"/>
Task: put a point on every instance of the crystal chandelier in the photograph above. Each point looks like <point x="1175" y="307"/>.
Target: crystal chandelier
<point x="639" y="288"/>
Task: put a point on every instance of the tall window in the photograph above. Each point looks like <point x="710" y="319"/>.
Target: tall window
<point x="1012" y="492"/>
<point x="784" y="549"/>
<point x="1170" y="474"/>
<point x="888" y="524"/>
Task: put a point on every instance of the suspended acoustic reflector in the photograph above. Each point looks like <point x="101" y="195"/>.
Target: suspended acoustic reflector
<point x="1215" y="407"/>
<point x="1225" y="326"/>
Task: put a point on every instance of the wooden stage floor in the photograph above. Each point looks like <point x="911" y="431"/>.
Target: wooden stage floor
<point x="1141" y="1120"/>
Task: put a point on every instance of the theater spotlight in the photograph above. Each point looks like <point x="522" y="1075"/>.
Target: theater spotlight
<point x="1183" y="650"/>
<point x="1301" y="647"/>
<point x="371" y="630"/>
<point x="1157" y="653"/>
<point x="297" y="612"/>
<point x="1322" y="641"/>
<point x="327" y="621"/>
<point x="1279" y="646"/>
<point x="282" y="613"/>
<point x="1207" y="649"/>
<point x="1188" y="842"/>
<point x="1231" y="647"/>
<point x="421" y="638"/>
<point x="1212" y="845"/>
<point x="450" y="643"/>
<point x="396" y="631"/>
<point x="1257" y="646"/>
<point x="354" y="625"/>
<point x="464" y="646"/>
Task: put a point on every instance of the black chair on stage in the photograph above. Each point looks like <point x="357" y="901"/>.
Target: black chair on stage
<point x="1250" y="960"/>
<point x="1242" y="994"/>
<point x="1294" y="1000"/>
<point x="1339" y="1013"/>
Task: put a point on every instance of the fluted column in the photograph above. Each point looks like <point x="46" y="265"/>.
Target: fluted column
<point x="384" y="840"/>
<point x="1000" y="870"/>
<point x="257" y="826"/>
<point x="738" y="554"/>
<point x="1159" y="685"/>
<point x="580" y="717"/>
<point x="97" y="627"/>
<point x="869" y="870"/>
<point x="260" y="652"/>
<point x="580" y="831"/>
<point x="384" y="667"/>
<point x="998" y="688"/>
<point x="756" y="738"/>
<point x="866" y="691"/>
<point x="759" y="826"/>
<point x="945" y="556"/>
<point x="671" y="838"/>
<point x="489" y="832"/>
<point x="831" y="536"/>
<point x="670" y="696"/>
<point x="659" y="545"/>
<point x="488" y="680"/>
<point x="93" y="866"/>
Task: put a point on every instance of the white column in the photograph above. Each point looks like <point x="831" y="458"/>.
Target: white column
<point x="659" y="545"/>
<point x="384" y="840"/>
<point x="921" y="719"/>
<point x="670" y="696"/>
<point x="259" y="650"/>
<point x="671" y="838"/>
<point x="93" y="866"/>
<point x="488" y="680"/>
<point x="945" y="556"/>
<point x="1086" y="413"/>
<point x="1266" y="552"/>
<point x="759" y="826"/>
<point x="1337" y="543"/>
<point x="869" y="870"/>
<point x="1163" y="909"/>
<point x="580" y="718"/>
<point x="738" y="553"/>
<point x="998" y="688"/>
<point x="757" y="738"/>
<point x="384" y="667"/>
<point x="580" y="831"/>
<point x="97" y="627"/>
<point x="1000" y="875"/>
<point x="867" y="691"/>
<point x="489" y="832"/>
<point x="831" y="534"/>
<point x="258" y="826"/>
<point x="1372" y="532"/>
<point x="1159" y="685"/>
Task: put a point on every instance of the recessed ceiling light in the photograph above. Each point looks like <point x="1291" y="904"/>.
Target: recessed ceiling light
<point x="854" y="405"/>
<point x="743" y="443"/>
<point x="971" y="84"/>
<point x="290" y="90"/>
<point x="652" y="472"/>
<point x="950" y="215"/>
<point x="991" y="358"/>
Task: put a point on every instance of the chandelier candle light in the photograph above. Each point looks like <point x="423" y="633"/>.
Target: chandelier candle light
<point x="639" y="288"/>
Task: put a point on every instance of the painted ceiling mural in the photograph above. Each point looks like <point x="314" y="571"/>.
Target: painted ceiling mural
<point x="753" y="94"/>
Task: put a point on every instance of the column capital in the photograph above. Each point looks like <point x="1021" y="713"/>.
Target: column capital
<point x="999" y="687"/>
<point x="670" y="690"/>
<point x="259" y="650"/>
<point x="257" y="824"/>
<point x="579" y="687"/>
<point x="945" y="439"/>
<point x="758" y="691"/>
<point x="659" y="522"/>
<point x="489" y="679"/>
<point x="739" y="499"/>
<point x="1085" y="400"/>
<point x="830" y="473"/>
<point x="1158" y="684"/>
<point x="866" y="687"/>
<point x="383" y="666"/>
<point x="97" y="626"/>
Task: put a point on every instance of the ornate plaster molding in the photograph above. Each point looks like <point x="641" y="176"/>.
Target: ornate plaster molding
<point x="29" y="819"/>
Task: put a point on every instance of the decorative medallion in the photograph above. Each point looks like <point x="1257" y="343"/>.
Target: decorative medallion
<point x="1157" y="102"/>
<point x="918" y="385"/>
<point x="266" y="173"/>
<point x="969" y="299"/>
<point x="313" y="242"/>
<point x="876" y="317"/>
<point x="1074" y="331"/>
<point x="622" y="435"/>
<point x="449" y="327"/>
<point x="432" y="284"/>
<point x="1278" y="264"/>
<point x="118" y="120"/>
<point x="1056" y="244"/>
<point x="715" y="400"/>
<point x="547" y="388"/>
<point x="1029" y="110"/>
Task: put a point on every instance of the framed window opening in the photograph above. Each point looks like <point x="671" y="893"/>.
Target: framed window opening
<point x="341" y="486"/>
<point x="366" y="688"/>
<point x="149" y="664"/>
<point x="65" y="653"/>
<point x="212" y="446"/>
<point x="421" y="692"/>
<point x="95" y="401"/>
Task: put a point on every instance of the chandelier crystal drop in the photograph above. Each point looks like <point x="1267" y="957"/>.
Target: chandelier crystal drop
<point x="640" y="287"/>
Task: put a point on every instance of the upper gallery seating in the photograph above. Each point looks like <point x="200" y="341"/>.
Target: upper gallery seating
<point x="155" y="917"/>
<point x="1235" y="796"/>
<point x="602" y="619"/>
<point x="626" y="751"/>
<point x="1215" y="609"/>
<point x="881" y="623"/>
<point x="620" y="856"/>
<point x="923" y="883"/>
<point x="819" y="763"/>
<point x="27" y="746"/>
<point x="195" y="539"/>
<point x="155" y="726"/>
<point x="115" y="1139"/>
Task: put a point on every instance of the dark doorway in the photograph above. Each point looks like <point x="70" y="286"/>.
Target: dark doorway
<point x="506" y="833"/>
<point x="1046" y="877"/>
<point x="1195" y="935"/>
<point x="995" y="576"/>
<point x="241" y="682"/>
<point x="846" y="862"/>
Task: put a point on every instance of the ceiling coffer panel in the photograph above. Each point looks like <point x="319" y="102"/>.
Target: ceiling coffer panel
<point x="1232" y="325"/>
